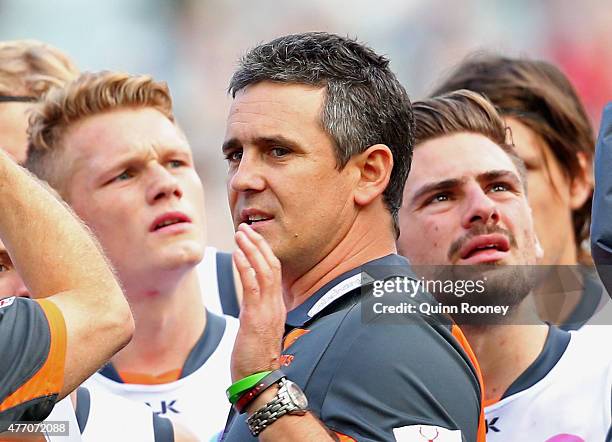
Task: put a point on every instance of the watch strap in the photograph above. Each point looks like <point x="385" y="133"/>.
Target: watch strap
<point x="279" y="406"/>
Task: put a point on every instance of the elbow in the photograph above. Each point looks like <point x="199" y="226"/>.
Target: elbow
<point x="120" y="321"/>
<point x="125" y="326"/>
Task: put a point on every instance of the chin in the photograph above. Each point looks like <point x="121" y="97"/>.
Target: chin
<point x="184" y="255"/>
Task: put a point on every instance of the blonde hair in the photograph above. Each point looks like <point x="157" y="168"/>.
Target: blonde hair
<point x="30" y="68"/>
<point x="89" y="94"/>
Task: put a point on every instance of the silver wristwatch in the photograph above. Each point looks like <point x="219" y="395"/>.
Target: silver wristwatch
<point x="290" y="399"/>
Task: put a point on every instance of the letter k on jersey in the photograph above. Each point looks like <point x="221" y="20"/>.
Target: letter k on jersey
<point x="165" y="407"/>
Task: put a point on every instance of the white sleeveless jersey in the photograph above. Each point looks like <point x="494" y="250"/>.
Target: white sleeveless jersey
<point x="62" y="415"/>
<point x="111" y="417"/>
<point x="572" y="403"/>
<point x="198" y="400"/>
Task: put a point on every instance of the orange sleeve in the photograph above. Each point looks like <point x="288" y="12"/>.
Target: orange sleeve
<point x="49" y="379"/>
<point x="460" y="337"/>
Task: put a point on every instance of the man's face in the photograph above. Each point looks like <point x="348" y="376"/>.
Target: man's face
<point x="13" y="127"/>
<point x="133" y="182"/>
<point x="282" y="176"/>
<point x="464" y="205"/>
<point x="11" y="283"/>
<point x="549" y="194"/>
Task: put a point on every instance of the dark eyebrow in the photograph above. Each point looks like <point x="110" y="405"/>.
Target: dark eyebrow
<point x="499" y="174"/>
<point x="234" y="143"/>
<point x="489" y="176"/>
<point x="435" y="187"/>
<point x="231" y="144"/>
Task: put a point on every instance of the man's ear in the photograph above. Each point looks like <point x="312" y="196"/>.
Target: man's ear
<point x="581" y="186"/>
<point x="374" y="166"/>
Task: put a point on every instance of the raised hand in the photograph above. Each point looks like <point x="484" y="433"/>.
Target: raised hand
<point x="263" y="313"/>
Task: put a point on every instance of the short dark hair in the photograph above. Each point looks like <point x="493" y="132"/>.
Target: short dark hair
<point x="364" y="105"/>
<point x="541" y="97"/>
<point x="464" y="111"/>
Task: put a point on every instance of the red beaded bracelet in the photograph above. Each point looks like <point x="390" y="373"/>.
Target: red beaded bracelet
<point x="249" y="396"/>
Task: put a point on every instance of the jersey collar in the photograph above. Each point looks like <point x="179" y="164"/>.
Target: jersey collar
<point x="355" y="279"/>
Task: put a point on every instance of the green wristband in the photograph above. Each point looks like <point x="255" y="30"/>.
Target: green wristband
<point x="237" y="388"/>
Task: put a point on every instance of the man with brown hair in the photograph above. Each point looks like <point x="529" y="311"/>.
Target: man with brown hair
<point x="465" y="210"/>
<point x="553" y="136"/>
<point x="109" y="144"/>
<point x="318" y="143"/>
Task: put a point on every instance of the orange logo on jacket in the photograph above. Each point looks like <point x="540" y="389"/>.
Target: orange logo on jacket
<point x="292" y="336"/>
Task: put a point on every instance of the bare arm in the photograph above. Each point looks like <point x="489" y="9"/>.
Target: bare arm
<point x="59" y="259"/>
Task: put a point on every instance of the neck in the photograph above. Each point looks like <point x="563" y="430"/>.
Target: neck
<point x="168" y="324"/>
<point x="366" y="240"/>
<point x="505" y="351"/>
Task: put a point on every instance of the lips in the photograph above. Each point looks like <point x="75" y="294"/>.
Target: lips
<point x="254" y="216"/>
<point x="485" y="248"/>
<point x="168" y="219"/>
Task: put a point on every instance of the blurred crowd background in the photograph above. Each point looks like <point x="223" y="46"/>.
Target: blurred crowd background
<point x="194" y="45"/>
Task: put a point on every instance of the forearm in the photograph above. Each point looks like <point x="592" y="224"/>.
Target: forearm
<point x="290" y="428"/>
<point x="58" y="258"/>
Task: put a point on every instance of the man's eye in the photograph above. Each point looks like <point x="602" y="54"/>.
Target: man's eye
<point x="126" y="175"/>
<point x="500" y="187"/>
<point x="175" y="164"/>
<point x="439" y="198"/>
<point x="4" y="268"/>
<point x="236" y="155"/>
<point x="279" y="152"/>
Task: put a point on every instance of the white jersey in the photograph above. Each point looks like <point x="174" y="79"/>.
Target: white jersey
<point x="216" y="277"/>
<point x="196" y="400"/>
<point x="62" y="419"/>
<point x="103" y="416"/>
<point x="571" y="403"/>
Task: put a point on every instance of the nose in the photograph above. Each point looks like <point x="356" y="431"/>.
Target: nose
<point x="248" y="175"/>
<point x="162" y="184"/>
<point x="479" y="209"/>
<point x="11" y="284"/>
<point x="21" y="289"/>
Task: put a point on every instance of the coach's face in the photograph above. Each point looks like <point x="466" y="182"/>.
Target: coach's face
<point x="464" y="203"/>
<point x="283" y="179"/>
<point x="135" y="185"/>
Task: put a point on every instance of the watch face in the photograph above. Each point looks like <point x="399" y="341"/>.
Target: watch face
<point x="297" y="395"/>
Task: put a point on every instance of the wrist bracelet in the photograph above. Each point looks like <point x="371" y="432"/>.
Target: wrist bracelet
<point x="250" y="395"/>
<point x="244" y="384"/>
